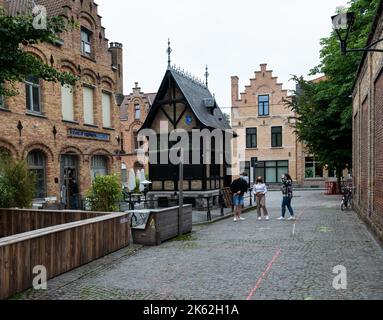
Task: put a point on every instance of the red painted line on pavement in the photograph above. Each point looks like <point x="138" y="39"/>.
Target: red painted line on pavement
<point x="269" y="266"/>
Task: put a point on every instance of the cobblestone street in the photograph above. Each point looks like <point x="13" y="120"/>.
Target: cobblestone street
<point x="247" y="260"/>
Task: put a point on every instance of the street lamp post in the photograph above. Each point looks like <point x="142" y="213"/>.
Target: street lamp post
<point x="345" y="21"/>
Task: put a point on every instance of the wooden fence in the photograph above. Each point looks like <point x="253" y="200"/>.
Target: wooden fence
<point x="14" y="221"/>
<point x="58" y="248"/>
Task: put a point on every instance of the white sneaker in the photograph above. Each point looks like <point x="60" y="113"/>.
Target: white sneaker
<point x="235" y="220"/>
<point x="292" y="219"/>
<point x="242" y="219"/>
<point x="260" y="219"/>
<point x="267" y="218"/>
<point x="281" y="218"/>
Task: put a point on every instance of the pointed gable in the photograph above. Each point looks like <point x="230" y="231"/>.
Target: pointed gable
<point x="197" y="95"/>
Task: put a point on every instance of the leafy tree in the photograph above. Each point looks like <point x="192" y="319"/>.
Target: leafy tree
<point x="17" y="183"/>
<point x="105" y="193"/>
<point x="324" y="108"/>
<point x="16" y="32"/>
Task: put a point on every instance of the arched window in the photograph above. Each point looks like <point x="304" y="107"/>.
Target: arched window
<point x="99" y="166"/>
<point x="37" y="164"/>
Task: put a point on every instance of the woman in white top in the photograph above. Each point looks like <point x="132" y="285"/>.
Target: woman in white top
<point x="260" y="191"/>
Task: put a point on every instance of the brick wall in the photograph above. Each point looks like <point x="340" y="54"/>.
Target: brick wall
<point x="37" y="133"/>
<point x="368" y="133"/>
<point x="378" y="159"/>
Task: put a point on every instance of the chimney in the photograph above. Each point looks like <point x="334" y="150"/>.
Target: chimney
<point x="234" y="89"/>
<point x="263" y="67"/>
<point x="117" y="65"/>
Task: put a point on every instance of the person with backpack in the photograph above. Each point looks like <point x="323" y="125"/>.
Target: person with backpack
<point x="238" y="188"/>
<point x="260" y="191"/>
<point x="287" y="192"/>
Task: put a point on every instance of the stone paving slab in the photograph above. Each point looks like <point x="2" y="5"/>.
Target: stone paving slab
<point x="228" y="260"/>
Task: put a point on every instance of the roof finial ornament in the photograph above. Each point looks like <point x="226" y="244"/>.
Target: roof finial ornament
<point x="169" y="51"/>
<point x="207" y="76"/>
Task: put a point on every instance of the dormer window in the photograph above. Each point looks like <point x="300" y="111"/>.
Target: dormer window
<point x="86" y="42"/>
<point x="210" y="104"/>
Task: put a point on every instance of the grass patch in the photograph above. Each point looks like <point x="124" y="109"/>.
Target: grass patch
<point x="21" y="295"/>
<point x="186" y="237"/>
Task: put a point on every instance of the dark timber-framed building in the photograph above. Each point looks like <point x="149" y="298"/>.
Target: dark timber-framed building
<point x="182" y="102"/>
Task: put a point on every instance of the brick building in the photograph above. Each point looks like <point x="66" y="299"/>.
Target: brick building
<point x="63" y="132"/>
<point x="133" y="112"/>
<point x="368" y="132"/>
<point x="265" y="126"/>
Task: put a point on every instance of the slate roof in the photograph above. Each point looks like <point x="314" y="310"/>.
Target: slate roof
<point x="195" y="93"/>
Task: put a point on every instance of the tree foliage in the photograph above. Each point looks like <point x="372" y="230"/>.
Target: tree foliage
<point x="105" y="193"/>
<point x="17" y="183"/>
<point x="324" y="108"/>
<point x="16" y="64"/>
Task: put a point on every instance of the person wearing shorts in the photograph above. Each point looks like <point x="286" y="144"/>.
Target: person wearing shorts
<point x="239" y="188"/>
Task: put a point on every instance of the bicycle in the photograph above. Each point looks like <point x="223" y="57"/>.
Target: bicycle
<point x="347" y="200"/>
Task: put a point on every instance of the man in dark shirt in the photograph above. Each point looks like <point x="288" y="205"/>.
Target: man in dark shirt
<point x="239" y="187"/>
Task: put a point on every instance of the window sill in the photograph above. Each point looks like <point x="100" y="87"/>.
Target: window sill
<point x="110" y="129"/>
<point x="70" y="122"/>
<point x="90" y="125"/>
<point x="277" y="148"/>
<point x="4" y="109"/>
<point x="88" y="58"/>
<point x="264" y="117"/>
<point x="37" y="115"/>
<point x="255" y="149"/>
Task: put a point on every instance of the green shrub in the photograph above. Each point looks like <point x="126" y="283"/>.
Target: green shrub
<point x="17" y="184"/>
<point x="105" y="194"/>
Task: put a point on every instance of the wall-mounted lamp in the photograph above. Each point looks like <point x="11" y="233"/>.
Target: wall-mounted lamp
<point x="343" y="24"/>
<point x="20" y="128"/>
<point x="54" y="131"/>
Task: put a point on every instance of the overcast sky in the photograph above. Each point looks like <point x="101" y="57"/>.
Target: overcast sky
<point x="232" y="37"/>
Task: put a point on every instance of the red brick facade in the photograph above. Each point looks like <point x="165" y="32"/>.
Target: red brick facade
<point x="133" y="112"/>
<point x="46" y="132"/>
<point x="368" y="133"/>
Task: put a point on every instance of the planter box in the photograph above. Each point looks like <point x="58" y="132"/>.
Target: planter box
<point x="159" y="225"/>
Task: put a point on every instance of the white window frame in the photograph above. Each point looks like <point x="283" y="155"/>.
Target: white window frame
<point x="106" y="120"/>
<point x="85" y="88"/>
<point x="137" y="108"/>
<point x="32" y="85"/>
<point x="86" y="44"/>
<point x="64" y="106"/>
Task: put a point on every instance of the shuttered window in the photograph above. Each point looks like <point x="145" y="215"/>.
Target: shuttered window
<point x="88" y="105"/>
<point x="106" y="114"/>
<point x="67" y="105"/>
